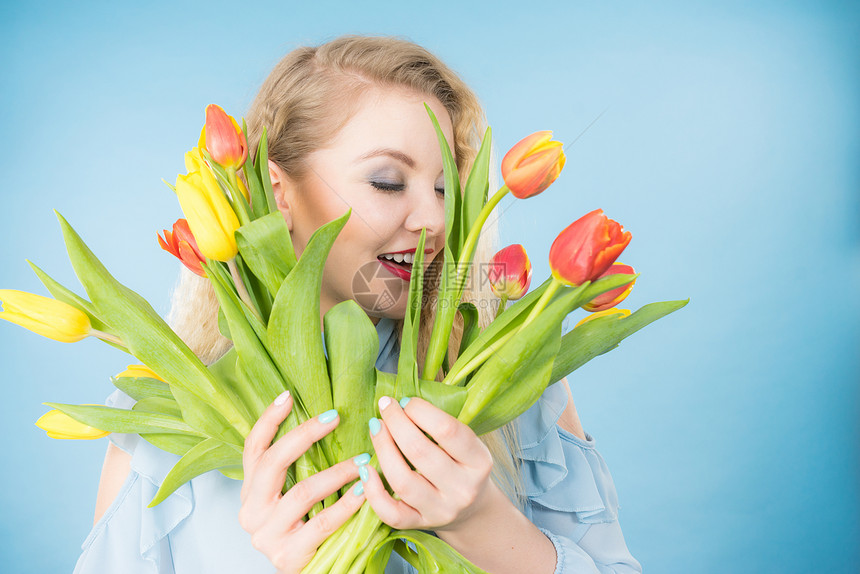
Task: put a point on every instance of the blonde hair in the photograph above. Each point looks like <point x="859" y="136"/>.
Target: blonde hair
<point x="308" y="97"/>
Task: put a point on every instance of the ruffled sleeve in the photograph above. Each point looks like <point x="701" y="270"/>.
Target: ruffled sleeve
<point x="570" y="492"/>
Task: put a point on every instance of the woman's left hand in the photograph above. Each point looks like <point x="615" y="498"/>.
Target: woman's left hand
<point x="450" y="483"/>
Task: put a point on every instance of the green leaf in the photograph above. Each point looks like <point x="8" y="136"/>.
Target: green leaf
<point x="294" y="331"/>
<point x="515" y="376"/>
<point x="233" y="472"/>
<point x="267" y="249"/>
<point x="453" y="199"/>
<point x="158" y="405"/>
<point x="262" y="168"/>
<point x="352" y="344"/>
<point x="208" y="455"/>
<point x="430" y="554"/>
<point x="152" y="341"/>
<point x="177" y="444"/>
<point x="477" y="186"/>
<point x="449" y="398"/>
<point x="142" y="387"/>
<point x="471" y="328"/>
<point x="603" y="334"/>
<point x="407" y="363"/>
<point x="268" y="382"/>
<point x="123" y="420"/>
<point x="508" y="321"/>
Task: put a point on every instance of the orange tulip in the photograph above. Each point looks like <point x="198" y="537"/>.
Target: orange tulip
<point x="586" y="248"/>
<point x="612" y="298"/>
<point x="533" y="164"/>
<point x="510" y="272"/>
<point x="224" y="138"/>
<point x="181" y="243"/>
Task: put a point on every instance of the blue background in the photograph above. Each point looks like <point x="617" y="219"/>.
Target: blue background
<point x="727" y="141"/>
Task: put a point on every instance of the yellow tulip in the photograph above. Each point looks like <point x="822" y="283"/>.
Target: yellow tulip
<point x="134" y="371"/>
<point x="194" y="161"/>
<point x="61" y="426"/>
<point x="613" y="311"/>
<point x="45" y="316"/>
<point x="210" y="216"/>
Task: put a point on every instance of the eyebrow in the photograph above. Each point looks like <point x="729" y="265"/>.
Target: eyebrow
<point x="393" y="153"/>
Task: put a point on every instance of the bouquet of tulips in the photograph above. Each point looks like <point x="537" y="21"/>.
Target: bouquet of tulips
<point x="235" y="236"/>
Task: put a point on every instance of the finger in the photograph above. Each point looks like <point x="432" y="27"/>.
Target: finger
<point x="317" y="529"/>
<point x="409" y="485"/>
<point x="261" y="435"/>
<point x="395" y="513"/>
<point x="271" y="470"/>
<point x="299" y="500"/>
<point x="457" y="439"/>
<point x="425" y="455"/>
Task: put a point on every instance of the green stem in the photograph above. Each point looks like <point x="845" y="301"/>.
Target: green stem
<point x="446" y="307"/>
<point x="106" y="337"/>
<point x="542" y="302"/>
<point x="241" y="289"/>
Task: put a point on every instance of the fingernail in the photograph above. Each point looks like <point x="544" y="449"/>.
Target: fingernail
<point x="359" y="489"/>
<point x="404" y="401"/>
<point x="282" y="398"/>
<point x="384" y="402"/>
<point x="361" y="459"/>
<point x="327" y="416"/>
<point x="363" y="474"/>
<point x="375" y="426"/>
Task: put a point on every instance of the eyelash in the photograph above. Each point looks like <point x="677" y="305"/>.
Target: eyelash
<point x="395" y="187"/>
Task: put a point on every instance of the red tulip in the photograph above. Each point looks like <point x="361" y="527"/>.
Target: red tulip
<point x="182" y="244"/>
<point x="586" y="248"/>
<point x="533" y="164"/>
<point x="510" y="272"/>
<point x="224" y="138"/>
<point x="612" y="298"/>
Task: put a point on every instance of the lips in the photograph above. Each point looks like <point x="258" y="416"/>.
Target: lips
<point x="399" y="263"/>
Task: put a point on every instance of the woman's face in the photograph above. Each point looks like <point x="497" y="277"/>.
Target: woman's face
<point x="385" y="164"/>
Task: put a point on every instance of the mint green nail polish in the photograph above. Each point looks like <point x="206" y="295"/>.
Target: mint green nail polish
<point x="358" y="490"/>
<point x="327" y="416"/>
<point x="375" y="426"/>
<point x="363" y="474"/>
<point x="361" y="459"/>
<point x="403" y="402"/>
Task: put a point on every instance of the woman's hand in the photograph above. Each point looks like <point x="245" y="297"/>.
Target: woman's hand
<point x="451" y="481"/>
<point x="275" y="521"/>
<point x="449" y="490"/>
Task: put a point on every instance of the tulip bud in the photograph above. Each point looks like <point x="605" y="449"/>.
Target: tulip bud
<point x="44" y="316"/>
<point x="135" y="371"/>
<point x="533" y="164"/>
<point x="60" y="425"/>
<point x="210" y="217"/>
<point x="224" y="138"/>
<point x="604" y="313"/>
<point x="586" y="248"/>
<point x="181" y="243"/>
<point x="612" y="298"/>
<point x="510" y="272"/>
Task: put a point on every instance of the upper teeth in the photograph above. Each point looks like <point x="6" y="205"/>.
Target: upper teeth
<point x="399" y="257"/>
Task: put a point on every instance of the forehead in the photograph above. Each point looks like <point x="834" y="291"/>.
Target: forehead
<point x="394" y="118"/>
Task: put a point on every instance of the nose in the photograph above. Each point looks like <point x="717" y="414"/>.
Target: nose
<point x="427" y="209"/>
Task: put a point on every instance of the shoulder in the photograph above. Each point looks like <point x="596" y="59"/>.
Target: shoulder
<point x="115" y="471"/>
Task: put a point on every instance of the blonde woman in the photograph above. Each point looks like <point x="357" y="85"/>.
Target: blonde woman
<point x="347" y="129"/>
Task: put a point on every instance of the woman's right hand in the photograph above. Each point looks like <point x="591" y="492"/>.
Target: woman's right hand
<point x="275" y="521"/>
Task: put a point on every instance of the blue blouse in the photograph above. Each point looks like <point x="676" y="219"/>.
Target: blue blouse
<point x="570" y="497"/>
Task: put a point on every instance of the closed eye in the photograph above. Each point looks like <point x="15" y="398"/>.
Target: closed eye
<point x="386" y="186"/>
